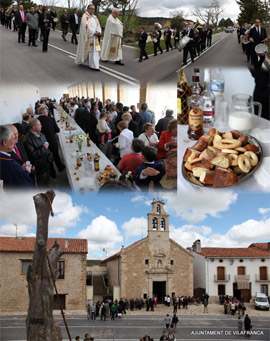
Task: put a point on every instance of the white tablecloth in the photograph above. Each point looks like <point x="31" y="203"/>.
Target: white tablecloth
<point x="87" y="177"/>
<point x="259" y="181"/>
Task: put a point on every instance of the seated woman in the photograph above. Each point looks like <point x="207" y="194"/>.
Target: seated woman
<point x="167" y="179"/>
<point x="149" y="137"/>
<point x="168" y="139"/>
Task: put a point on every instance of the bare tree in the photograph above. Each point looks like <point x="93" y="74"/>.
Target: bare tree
<point x="209" y="14"/>
<point x="40" y="322"/>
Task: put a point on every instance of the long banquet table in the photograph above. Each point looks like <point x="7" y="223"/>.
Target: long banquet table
<point x="258" y="181"/>
<point x="80" y="178"/>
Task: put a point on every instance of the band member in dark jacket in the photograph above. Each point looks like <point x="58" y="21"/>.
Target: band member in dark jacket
<point x="142" y="44"/>
<point x="64" y="24"/>
<point x="189" y="46"/>
<point x="156" y="35"/>
<point x="167" y="38"/>
<point x="45" y="26"/>
<point x="257" y="35"/>
<point x="53" y="16"/>
<point x="209" y="33"/>
<point x="20" y="23"/>
<point x="74" y="24"/>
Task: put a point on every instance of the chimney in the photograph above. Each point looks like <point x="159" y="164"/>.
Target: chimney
<point x="66" y="244"/>
<point x="196" y="247"/>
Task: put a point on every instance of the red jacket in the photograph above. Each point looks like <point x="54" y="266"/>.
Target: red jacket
<point x="165" y="137"/>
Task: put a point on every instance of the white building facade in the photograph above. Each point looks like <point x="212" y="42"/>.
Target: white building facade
<point x="237" y="272"/>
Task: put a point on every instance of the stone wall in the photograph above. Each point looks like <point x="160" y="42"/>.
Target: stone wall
<point x="13" y="283"/>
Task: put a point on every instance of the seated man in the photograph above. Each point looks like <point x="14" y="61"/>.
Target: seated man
<point x="11" y="172"/>
<point x="163" y="336"/>
<point x="25" y="122"/>
<point x="149" y="170"/>
<point x="130" y="162"/>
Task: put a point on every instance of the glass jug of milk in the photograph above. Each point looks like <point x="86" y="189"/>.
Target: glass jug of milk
<point x="242" y="115"/>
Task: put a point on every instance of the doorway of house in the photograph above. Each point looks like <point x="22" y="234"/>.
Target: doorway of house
<point x="159" y="290"/>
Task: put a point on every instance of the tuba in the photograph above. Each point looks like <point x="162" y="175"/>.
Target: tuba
<point x="155" y="34"/>
<point x="9" y="9"/>
<point x="196" y="31"/>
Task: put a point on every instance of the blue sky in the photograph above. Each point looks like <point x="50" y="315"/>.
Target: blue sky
<point x="111" y="220"/>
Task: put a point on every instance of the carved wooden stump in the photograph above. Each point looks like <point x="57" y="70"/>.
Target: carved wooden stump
<point x="40" y="322"/>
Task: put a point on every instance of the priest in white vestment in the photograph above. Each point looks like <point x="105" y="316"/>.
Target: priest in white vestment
<point x="112" y="40"/>
<point x="89" y="39"/>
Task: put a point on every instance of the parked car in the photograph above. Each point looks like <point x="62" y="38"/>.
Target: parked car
<point x="229" y="29"/>
<point x="261" y="302"/>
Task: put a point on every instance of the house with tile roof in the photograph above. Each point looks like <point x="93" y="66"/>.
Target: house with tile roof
<point x="153" y="266"/>
<point x="237" y="272"/>
<point x="16" y="256"/>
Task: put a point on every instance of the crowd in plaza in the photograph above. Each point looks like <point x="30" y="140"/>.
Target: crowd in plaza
<point x="144" y="153"/>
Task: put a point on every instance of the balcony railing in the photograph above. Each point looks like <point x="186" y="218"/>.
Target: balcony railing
<point x="221" y="278"/>
<point x="262" y="278"/>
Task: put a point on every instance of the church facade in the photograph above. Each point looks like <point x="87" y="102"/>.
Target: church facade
<point x="153" y="266"/>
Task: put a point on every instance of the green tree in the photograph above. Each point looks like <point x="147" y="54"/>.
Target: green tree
<point x="6" y="3"/>
<point x="250" y="10"/>
<point x="228" y="22"/>
<point x="177" y="19"/>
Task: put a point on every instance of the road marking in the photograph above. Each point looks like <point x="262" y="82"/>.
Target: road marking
<point x="111" y="72"/>
<point x="205" y="51"/>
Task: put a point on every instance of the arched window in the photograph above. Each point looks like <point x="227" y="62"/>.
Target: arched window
<point x="158" y="208"/>
<point x="155" y="223"/>
<point x="162" y="224"/>
<point x="159" y="264"/>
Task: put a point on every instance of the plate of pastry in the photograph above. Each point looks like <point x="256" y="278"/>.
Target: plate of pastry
<point x="221" y="159"/>
<point x="107" y="174"/>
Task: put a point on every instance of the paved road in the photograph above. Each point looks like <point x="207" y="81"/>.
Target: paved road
<point x="23" y="64"/>
<point x="133" y="327"/>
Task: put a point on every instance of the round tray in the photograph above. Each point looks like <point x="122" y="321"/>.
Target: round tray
<point x="251" y="140"/>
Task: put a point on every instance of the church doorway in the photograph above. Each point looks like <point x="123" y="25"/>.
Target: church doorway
<point x="159" y="290"/>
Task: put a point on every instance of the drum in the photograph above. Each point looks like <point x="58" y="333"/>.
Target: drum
<point x="244" y="39"/>
<point x="55" y="20"/>
<point x="182" y="43"/>
<point x="261" y="49"/>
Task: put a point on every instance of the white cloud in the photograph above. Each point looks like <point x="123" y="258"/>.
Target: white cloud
<point x="265" y="212"/>
<point x="135" y="227"/>
<point x="241" y="235"/>
<point x="163" y="8"/>
<point x="18" y="208"/>
<point x="194" y="207"/>
<point x="101" y="234"/>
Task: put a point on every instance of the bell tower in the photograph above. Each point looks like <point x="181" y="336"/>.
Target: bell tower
<point x="158" y="220"/>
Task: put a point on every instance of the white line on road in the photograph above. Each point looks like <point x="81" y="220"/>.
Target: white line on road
<point x="111" y="72"/>
<point x="205" y="51"/>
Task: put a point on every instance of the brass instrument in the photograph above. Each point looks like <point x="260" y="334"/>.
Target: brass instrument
<point x="8" y="11"/>
<point x="196" y="31"/>
<point x="155" y="34"/>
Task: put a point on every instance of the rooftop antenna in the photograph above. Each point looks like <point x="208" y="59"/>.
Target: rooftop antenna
<point x="16" y="230"/>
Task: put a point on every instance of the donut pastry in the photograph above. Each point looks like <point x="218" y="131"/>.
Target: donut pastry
<point x="227" y="143"/>
<point x="244" y="163"/>
<point x="253" y="158"/>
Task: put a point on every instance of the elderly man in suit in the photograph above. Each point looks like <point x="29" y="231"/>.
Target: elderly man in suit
<point x="142" y="44"/>
<point x="257" y="35"/>
<point x="37" y="147"/>
<point x="74" y="24"/>
<point x="20" y="22"/>
<point x="13" y="175"/>
<point x="49" y="129"/>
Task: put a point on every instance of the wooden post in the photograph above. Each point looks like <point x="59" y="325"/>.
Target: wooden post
<point x="40" y="323"/>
